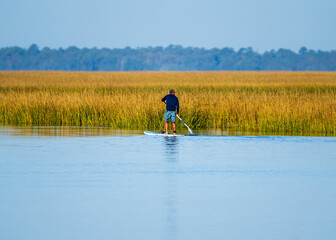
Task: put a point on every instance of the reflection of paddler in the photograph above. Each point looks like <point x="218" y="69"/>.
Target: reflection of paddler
<point x="172" y="109"/>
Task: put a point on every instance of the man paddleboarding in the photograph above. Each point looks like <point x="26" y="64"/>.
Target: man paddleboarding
<point x="172" y="109"/>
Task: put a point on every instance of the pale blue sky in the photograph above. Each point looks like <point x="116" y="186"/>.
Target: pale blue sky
<point x="261" y="24"/>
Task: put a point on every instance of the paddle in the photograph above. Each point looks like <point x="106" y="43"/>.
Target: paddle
<point x="190" y="132"/>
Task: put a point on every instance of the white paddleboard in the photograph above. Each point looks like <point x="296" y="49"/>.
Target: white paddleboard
<point x="161" y="134"/>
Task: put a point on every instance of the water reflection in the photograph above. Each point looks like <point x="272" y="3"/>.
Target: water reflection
<point x="57" y="131"/>
<point x="171" y="200"/>
<point x="68" y="131"/>
<point x="171" y="145"/>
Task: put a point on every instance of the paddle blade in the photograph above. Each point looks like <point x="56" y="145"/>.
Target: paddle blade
<point x="191" y="132"/>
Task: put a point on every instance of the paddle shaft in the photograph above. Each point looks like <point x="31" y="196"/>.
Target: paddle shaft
<point x="185" y="125"/>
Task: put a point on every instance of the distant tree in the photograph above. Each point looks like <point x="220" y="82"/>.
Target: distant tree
<point x="33" y="50"/>
<point x="172" y="57"/>
<point x="303" y="50"/>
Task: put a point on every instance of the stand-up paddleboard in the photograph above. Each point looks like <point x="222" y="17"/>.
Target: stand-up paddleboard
<point x="161" y="134"/>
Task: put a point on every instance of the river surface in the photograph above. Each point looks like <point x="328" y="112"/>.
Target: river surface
<point x="87" y="183"/>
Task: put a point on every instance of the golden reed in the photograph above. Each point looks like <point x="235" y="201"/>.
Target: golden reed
<point x="300" y="103"/>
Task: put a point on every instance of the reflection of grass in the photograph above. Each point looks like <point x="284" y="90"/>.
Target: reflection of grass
<point x="264" y="102"/>
<point x="66" y="131"/>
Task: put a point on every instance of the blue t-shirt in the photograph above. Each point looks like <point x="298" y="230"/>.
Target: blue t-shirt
<point x="172" y="102"/>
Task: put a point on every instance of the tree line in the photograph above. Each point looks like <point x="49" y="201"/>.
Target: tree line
<point x="171" y="58"/>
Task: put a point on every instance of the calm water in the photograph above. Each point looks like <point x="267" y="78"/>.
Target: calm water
<point x="102" y="184"/>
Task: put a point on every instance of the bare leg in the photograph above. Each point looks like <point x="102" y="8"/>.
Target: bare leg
<point x="174" y="127"/>
<point x="166" y="126"/>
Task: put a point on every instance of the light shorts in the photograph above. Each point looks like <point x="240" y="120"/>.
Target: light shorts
<point x="170" y="115"/>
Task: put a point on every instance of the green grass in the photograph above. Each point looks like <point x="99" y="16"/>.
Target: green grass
<point x="301" y="103"/>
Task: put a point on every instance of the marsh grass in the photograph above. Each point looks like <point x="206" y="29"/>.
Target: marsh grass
<point x="300" y="103"/>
